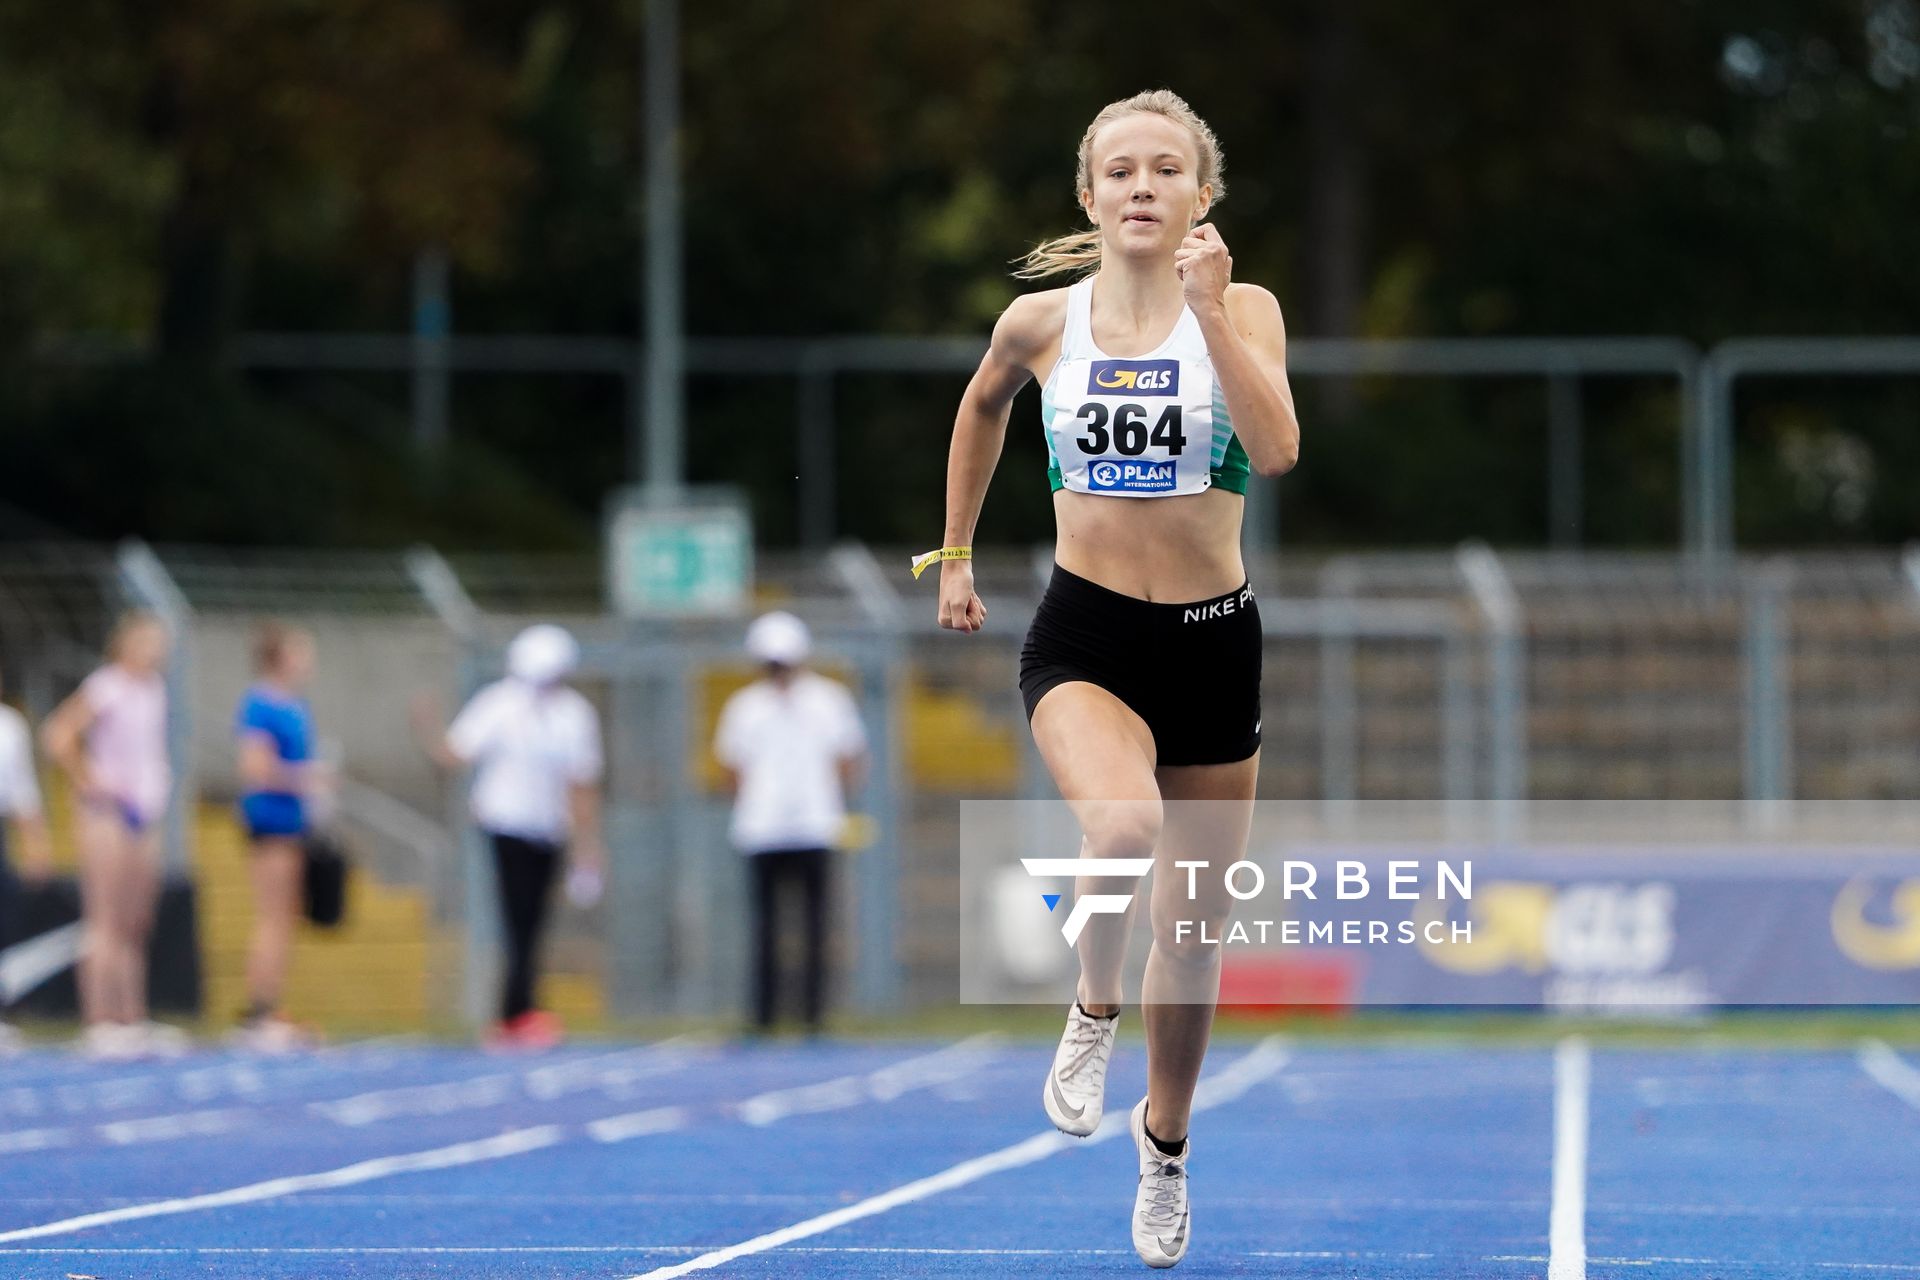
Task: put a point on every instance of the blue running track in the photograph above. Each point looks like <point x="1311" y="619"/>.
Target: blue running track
<point x="401" y="1159"/>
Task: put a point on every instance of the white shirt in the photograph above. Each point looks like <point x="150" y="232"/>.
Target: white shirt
<point x="787" y="745"/>
<point x="528" y="746"/>
<point x="19" y="788"/>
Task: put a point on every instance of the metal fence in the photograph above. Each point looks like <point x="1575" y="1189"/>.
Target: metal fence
<point x="1464" y="675"/>
<point x="1705" y="383"/>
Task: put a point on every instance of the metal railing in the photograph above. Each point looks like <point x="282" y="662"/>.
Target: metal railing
<point x="149" y="585"/>
<point x="1340" y="620"/>
<point x="1711" y="529"/>
<point x="1500" y="609"/>
<point x="1705" y="419"/>
<point x="817" y="364"/>
<point x="1766" y="648"/>
<point x="1472" y="675"/>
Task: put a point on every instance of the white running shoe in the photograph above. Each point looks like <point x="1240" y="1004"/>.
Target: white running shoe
<point x="273" y="1037"/>
<point x="1160" y="1211"/>
<point x="110" y="1042"/>
<point x="162" y="1040"/>
<point x="1075" y="1094"/>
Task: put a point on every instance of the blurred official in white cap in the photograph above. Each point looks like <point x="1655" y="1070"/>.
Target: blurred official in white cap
<point x="793" y="747"/>
<point x="542" y="655"/>
<point x="534" y="746"/>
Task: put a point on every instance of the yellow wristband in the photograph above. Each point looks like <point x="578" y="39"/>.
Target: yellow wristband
<point x="945" y="553"/>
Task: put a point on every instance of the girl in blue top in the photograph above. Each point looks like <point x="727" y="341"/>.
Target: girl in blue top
<point x="278" y="779"/>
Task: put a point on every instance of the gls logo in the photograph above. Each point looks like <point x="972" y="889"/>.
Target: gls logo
<point x="1161" y="377"/>
<point x="1092" y="904"/>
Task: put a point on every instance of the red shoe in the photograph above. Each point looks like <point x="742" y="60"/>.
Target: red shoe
<point x="531" y="1032"/>
<point x="539" y="1029"/>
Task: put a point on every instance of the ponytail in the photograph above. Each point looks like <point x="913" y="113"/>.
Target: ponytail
<point x="1079" y="252"/>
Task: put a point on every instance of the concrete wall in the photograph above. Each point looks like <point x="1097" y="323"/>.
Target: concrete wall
<point x="369" y="671"/>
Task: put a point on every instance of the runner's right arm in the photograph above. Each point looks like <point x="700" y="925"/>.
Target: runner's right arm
<point x="979" y="434"/>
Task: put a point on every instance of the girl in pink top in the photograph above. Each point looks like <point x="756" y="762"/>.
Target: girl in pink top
<point x="111" y="738"/>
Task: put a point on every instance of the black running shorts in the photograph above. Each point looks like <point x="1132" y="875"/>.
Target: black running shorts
<point x="1191" y="671"/>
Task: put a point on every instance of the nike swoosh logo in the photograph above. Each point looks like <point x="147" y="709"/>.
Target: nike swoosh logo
<point x="1179" y="1241"/>
<point x="1060" y="1099"/>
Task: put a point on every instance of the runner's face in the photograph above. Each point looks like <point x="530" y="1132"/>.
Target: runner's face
<point x="296" y="662"/>
<point x="1146" y="193"/>
<point x="146" y="648"/>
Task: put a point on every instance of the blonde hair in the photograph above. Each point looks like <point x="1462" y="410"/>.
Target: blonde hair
<point x="1080" y="251"/>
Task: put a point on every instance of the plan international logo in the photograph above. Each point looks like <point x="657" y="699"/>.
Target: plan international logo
<point x="1132" y="475"/>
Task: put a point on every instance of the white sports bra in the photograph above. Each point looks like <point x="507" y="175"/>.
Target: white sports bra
<point x="1145" y="427"/>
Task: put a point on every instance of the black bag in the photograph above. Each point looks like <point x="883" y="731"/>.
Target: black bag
<point x="326" y="881"/>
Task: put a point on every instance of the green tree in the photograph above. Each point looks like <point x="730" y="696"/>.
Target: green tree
<point x="282" y="124"/>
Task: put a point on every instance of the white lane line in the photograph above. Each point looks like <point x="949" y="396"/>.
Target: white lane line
<point x="1343" y="1254"/>
<point x="1896" y="1268"/>
<point x="196" y="1081"/>
<point x="925" y="1071"/>
<point x="1567" y="1220"/>
<point x="127" y="1133"/>
<point x="513" y="1143"/>
<point x="189" y="1124"/>
<point x="436" y="1099"/>
<point x="638" y="1124"/>
<point x="243" y="1078"/>
<point x="22" y="1140"/>
<point x="269" y="1250"/>
<point x="1262" y="1061"/>
<point x="614" y="1073"/>
<point x="1377" y="1255"/>
<point x="909" y="1072"/>
<point x="1270" y="1204"/>
<point x="1892" y="1072"/>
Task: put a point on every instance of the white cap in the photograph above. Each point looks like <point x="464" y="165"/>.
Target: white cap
<point x="542" y="654"/>
<point x="778" y="637"/>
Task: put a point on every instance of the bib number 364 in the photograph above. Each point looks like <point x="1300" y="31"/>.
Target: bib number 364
<point x="1129" y="436"/>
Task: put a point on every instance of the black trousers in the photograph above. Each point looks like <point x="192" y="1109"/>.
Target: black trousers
<point x="6" y="887"/>
<point x="524" y="872"/>
<point x="777" y="875"/>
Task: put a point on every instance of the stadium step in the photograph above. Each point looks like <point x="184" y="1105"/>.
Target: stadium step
<point x="387" y="966"/>
<point x="375" y="971"/>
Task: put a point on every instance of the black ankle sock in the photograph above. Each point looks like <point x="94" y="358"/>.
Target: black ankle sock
<point x="1166" y="1148"/>
<point x="1104" y="1017"/>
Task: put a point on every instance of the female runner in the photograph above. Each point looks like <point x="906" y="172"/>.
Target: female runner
<point x="1163" y="384"/>
<point x="280" y="782"/>
<point x="111" y="738"/>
